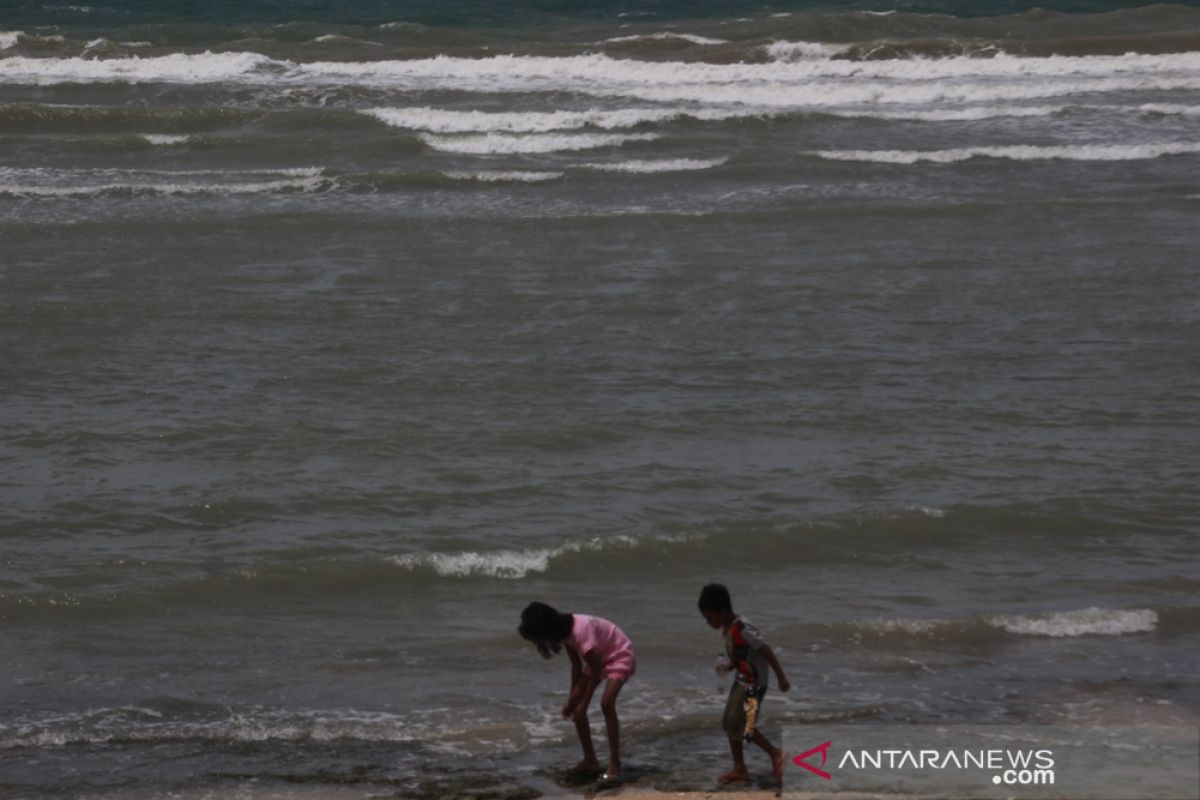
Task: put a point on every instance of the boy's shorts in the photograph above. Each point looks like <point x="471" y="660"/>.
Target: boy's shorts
<point x="743" y="711"/>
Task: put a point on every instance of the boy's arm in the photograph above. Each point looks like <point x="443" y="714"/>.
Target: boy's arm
<point x="769" y="654"/>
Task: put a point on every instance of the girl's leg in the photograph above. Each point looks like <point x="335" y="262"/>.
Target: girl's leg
<point x="584" y="729"/>
<point x="589" y="763"/>
<point x="608" y="704"/>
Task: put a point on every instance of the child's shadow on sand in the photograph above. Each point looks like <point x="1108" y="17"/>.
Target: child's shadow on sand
<point x="592" y="786"/>
<point x="639" y="777"/>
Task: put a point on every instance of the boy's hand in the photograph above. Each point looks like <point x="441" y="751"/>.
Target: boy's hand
<point x="568" y="709"/>
<point x="784" y="684"/>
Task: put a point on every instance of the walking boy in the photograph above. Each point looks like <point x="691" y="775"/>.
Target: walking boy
<point x="750" y="656"/>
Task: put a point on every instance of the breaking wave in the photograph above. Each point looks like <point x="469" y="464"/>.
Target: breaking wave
<point x="501" y="143"/>
<point x="810" y="83"/>
<point x="32" y="183"/>
<point x="1124" y="152"/>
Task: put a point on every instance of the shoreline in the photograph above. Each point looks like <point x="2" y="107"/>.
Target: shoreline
<point x="486" y="791"/>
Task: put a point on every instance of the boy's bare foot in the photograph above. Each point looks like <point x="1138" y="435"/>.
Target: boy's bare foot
<point x="777" y="766"/>
<point x="733" y="776"/>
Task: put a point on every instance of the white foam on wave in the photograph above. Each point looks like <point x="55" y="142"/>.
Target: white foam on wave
<point x="246" y="724"/>
<point x="1096" y="152"/>
<point x="1170" y="109"/>
<point x="438" y="120"/>
<point x="665" y="35"/>
<point x="175" y="68"/>
<point x="969" y="114"/>
<point x="165" y="138"/>
<point x="807" y="83"/>
<point x="790" y="52"/>
<point x="929" y="511"/>
<point x="917" y="627"/>
<point x="90" y="183"/>
<point x="10" y="38"/>
<point x="503" y="143"/>
<point x="338" y="38"/>
<point x="508" y="564"/>
<point x="102" y="42"/>
<point x="517" y="564"/>
<point x="651" y="166"/>
<point x="1055" y="624"/>
<point x="506" y="176"/>
<point x="1085" y="622"/>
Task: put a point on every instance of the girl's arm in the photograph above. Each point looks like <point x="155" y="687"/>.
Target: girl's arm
<point x="576" y="665"/>
<point x="784" y="683"/>
<point x="576" y="678"/>
<point x="583" y="686"/>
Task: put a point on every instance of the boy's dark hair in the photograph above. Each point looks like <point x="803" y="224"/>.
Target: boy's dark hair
<point x="715" y="597"/>
<point x="545" y="626"/>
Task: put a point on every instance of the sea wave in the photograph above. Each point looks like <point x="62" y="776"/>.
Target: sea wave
<point x="32" y="183"/>
<point x="651" y="166"/>
<point x="167" y="719"/>
<point x="690" y="38"/>
<point x="511" y="564"/>
<point x="436" y="120"/>
<point x="817" y="83"/>
<point x="504" y="176"/>
<point x="790" y="52"/>
<point x="165" y="138"/>
<point x="1085" y="622"/>
<point x="501" y="143"/>
<point x="181" y="68"/>
<point x="858" y="541"/>
<point x="1170" y="109"/>
<point x="10" y="38"/>
<point x="987" y="630"/>
<point x="1094" y="152"/>
<point x="92" y="119"/>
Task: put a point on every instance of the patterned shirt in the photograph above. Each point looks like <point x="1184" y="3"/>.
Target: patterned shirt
<point x="743" y="645"/>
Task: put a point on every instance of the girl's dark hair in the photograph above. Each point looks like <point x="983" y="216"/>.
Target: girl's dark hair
<point x="715" y="597"/>
<point x="546" y="627"/>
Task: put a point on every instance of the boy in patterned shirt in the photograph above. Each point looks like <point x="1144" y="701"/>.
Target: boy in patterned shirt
<point x="750" y="657"/>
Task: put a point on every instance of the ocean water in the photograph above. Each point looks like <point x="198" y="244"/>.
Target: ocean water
<point x="333" y="334"/>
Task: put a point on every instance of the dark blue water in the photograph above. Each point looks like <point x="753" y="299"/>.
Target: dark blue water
<point x="474" y="13"/>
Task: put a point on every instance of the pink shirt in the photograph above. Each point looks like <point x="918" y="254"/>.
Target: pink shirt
<point x="608" y="642"/>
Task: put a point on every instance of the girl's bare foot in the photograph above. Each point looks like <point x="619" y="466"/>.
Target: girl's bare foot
<point x="733" y="776"/>
<point x="588" y="768"/>
<point x="777" y="766"/>
<point x="609" y="780"/>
